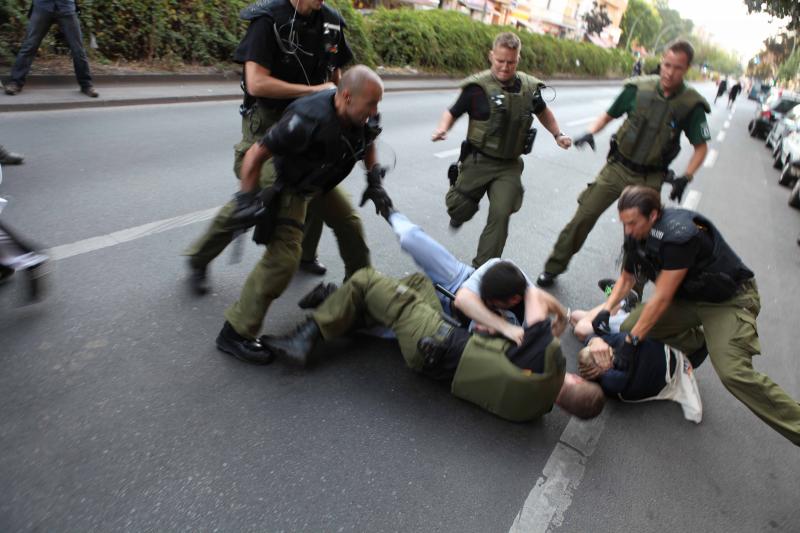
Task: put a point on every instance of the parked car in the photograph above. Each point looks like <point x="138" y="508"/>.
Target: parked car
<point x="788" y="159"/>
<point x="775" y="107"/>
<point x="788" y="124"/>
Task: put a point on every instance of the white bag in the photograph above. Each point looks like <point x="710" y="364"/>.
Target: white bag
<point x="681" y="387"/>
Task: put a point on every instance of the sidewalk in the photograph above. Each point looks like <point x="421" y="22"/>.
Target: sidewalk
<point x="61" y="92"/>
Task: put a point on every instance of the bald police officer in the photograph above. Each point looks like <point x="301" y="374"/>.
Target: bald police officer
<point x="314" y="147"/>
<point x="658" y="109"/>
<point x="292" y="48"/>
<point x="699" y="281"/>
<point x="500" y="103"/>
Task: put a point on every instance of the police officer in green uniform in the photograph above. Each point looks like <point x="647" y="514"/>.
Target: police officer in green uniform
<point x="500" y="103"/>
<point x="516" y="382"/>
<point x="699" y="281"/>
<point x="314" y="146"/>
<point x="292" y="48"/>
<point x="659" y="108"/>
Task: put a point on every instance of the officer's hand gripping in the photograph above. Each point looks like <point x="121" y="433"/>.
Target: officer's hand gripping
<point x="600" y="323"/>
<point x="376" y="192"/>
<point x="678" y="186"/>
<point x="586" y="138"/>
<point x="624" y="357"/>
<point x="247" y="210"/>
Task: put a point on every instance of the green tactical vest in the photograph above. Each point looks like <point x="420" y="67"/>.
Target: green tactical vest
<point x="650" y="135"/>
<point x="510" y="116"/>
<point x="486" y="377"/>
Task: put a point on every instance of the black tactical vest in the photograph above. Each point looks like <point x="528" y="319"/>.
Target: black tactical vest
<point x="333" y="150"/>
<point x="290" y="39"/>
<point x="713" y="278"/>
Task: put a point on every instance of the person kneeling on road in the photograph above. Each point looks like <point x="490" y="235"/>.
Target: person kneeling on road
<point x="517" y="382"/>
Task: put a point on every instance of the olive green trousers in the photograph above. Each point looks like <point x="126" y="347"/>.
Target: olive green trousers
<point x="501" y="180"/>
<point x="731" y="336"/>
<point x="409" y="307"/>
<point x="217" y="237"/>
<point x="592" y="203"/>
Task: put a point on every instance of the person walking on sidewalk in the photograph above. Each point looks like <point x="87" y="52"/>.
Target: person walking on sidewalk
<point x="292" y="48"/>
<point x="500" y="103"/>
<point x="43" y="14"/>
<point x="658" y="109"/>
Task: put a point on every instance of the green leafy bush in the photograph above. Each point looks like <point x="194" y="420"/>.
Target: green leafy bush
<point x="208" y="31"/>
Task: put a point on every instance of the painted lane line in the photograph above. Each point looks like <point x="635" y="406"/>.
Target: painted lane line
<point x="137" y="232"/>
<point x="711" y="158"/>
<point x="727" y="124"/>
<point x="447" y="153"/>
<point x="552" y="495"/>
<point x="580" y="122"/>
<point x="691" y="200"/>
<point x="721" y="136"/>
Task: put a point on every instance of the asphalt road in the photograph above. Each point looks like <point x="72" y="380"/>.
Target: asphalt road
<point x="120" y="414"/>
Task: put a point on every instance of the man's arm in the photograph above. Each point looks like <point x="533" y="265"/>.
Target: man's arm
<point x="539" y="305"/>
<point x="548" y="120"/>
<point x="473" y="307"/>
<point x="698" y="156"/>
<point x="254" y="158"/>
<point x="445" y="123"/>
<point x="625" y="282"/>
<point x="262" y="84"/>
<point x="370" y="156"/>
<point x="667" y="283"/>
<point x="601" y="122"/>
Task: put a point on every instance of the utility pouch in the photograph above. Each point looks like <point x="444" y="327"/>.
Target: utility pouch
<point x="530" y="137"/>
<point x="265" y="225"/>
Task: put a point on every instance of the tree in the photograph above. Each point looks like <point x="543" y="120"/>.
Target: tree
<point x="596" y="19"/>
<point x="673" y="25"/>
<point x="777" y="8"/>
<point x="640" y="23"/>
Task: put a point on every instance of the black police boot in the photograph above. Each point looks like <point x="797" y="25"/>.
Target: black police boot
<point x="546" y="279"/>
<point x="313" y="267"/>
<point x="36" y="276"/>
<point x="198" y="279"/>
<point x="298" y="346"/>
<point x="317" y="295"/>
<point x="242" y="348"/>
<point x="455" y="224"/>
<point x="698" y="356"/>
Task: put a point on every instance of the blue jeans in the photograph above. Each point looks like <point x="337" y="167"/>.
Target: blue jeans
<point x="37" y="28"/>
<point x="435" y="260"/>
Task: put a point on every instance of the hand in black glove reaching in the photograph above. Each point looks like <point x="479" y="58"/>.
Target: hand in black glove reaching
<point x="678" y="186"/>
<point x="624" y="357"/>
<point x="600" y="323"/>
<point x="376" y="192"/>
<point x="248" y="208"/>
<point x="586" y="138"/>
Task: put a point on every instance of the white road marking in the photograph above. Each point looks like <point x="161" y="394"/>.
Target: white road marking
<point x="730" y="115"/>
<point x="118" y="237"/>
<point x="727" y="124"/>
<point x="447" y="153"/>
<point x="550" y="498"/>
<point x="711" y="158"/>
<point x="691" y="200"/>
<point x="580" y="122"/>
<point x="721" y="136"/>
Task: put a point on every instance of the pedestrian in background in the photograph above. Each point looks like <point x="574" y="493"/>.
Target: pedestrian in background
<point x="43" y="14"/>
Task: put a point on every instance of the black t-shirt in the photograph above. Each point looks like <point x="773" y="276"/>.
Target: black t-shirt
<point x="474" y="102"/>
<point x="530" y="354"/>
<point x="649" y="370"/>
<point x="448" y="364"/>
<point x="298" y="58"/>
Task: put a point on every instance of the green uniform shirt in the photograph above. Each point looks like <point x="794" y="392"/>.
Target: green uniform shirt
<point x="696" y="130"/>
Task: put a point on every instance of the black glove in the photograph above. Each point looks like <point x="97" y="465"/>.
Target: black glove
<point x="376" y="192"/>
<point x="586" y="138"/>
<point x="600" y="323"/>
<point x="623" y="358"/>
<point x="247" y="210"/>
<point x="678" y="186"/>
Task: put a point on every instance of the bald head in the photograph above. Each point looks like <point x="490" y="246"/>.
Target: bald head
<point x="357" y="97"/>
<point x="358" y="78"/>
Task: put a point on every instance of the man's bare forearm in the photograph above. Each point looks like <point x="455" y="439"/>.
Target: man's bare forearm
<point x="622" y="287"/>
<point x="698" y="156"/>
<point x="262" y="84"/>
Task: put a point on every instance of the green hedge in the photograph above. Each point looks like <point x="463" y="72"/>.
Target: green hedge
<point x="207" y="32"/>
